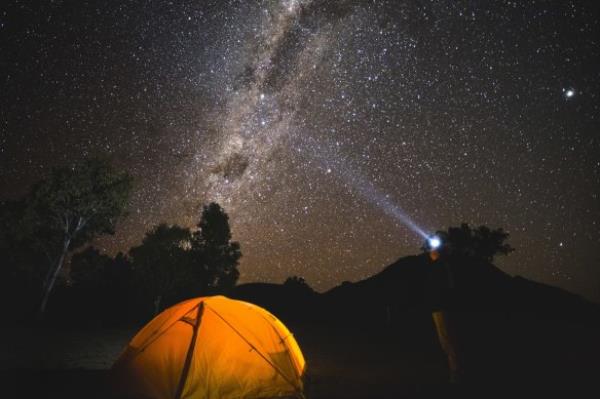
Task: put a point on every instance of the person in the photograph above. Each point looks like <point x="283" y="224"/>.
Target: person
<point x="442" y="294"/>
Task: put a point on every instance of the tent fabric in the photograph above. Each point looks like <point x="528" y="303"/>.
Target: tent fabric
<point x="241" y="351"/>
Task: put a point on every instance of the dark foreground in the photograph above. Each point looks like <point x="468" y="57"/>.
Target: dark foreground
<point x="93" y="384"/>
<point x="344" y="362"/>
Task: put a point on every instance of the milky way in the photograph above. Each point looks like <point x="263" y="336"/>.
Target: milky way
<point x="330" y="131"/>
<point x="258" y="112"/>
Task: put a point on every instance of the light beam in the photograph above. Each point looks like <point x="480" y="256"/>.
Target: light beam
<point x="326" y="156"/>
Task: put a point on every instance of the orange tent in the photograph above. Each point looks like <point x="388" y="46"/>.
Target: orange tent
<point x="211" y="347"/>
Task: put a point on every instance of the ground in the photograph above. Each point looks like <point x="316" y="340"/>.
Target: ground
<point x="343" y="362"/>
<point x="68" y="363"/>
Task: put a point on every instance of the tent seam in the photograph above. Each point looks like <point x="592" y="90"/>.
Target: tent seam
<point x="254" y="348"/>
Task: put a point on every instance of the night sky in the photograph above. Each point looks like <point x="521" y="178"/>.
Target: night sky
<point x="328" y="130"/>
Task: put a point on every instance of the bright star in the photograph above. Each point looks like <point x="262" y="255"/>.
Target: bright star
<point x="569" y="93"/>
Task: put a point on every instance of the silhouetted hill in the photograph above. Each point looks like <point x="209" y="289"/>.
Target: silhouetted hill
<point x="403" y="288"/>
<point x="512" y="331"/>
<point x="547" y="300"/>
<point x="281" y="299"/>
<point x="402" y="283"/>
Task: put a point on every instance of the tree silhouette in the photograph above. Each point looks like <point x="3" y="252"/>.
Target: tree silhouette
<point x="88" y="267"/>
<point x="215" y="256"/>
<point x="22" y="263"/>
<point x="173" y="264"/>
<point x="161" y="263"/>
<point x="100" y="288"/>
<point x="297" y="284"/>
<point x="71" y="207"/>
<point x="481" y="243"/>
<point x="119" y="285"/>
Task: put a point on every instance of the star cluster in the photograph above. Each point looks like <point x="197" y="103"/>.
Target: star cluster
<point x="322" y="127"/>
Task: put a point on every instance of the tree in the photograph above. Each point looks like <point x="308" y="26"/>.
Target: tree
<point x="100" y="289"/>
<point x="213" y="252"/>
<point x="21" y="262"/>
<point x="88" y="267"/>
<point x="172" y="263"/>
<point x="17" y="251"/>
<point x="298" y="284"/>
<point x="88" y="290"/>
<point x="479" y="244"/>
<point x="71" y="207"/>
<point x="161" y="263"/>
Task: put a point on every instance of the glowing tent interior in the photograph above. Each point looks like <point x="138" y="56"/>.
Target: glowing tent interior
<point x="211" y="347"/>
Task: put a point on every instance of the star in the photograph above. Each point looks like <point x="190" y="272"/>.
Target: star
<point x="569" y="93"/>
<point x="358" y="116"/>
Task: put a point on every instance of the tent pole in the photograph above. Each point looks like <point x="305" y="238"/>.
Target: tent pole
<point x="255" y="349"/>
<point x="190" y="353"/>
